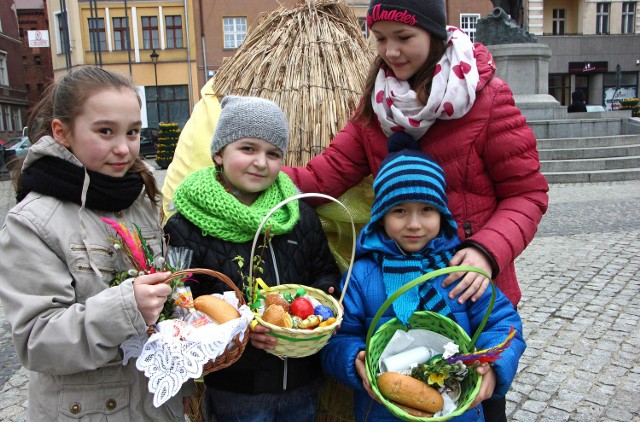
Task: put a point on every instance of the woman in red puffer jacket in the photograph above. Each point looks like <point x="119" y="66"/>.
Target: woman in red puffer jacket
<point x="449" y="99"/>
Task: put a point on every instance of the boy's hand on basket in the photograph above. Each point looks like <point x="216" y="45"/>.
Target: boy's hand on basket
<point x="487" y="385"/>
<point x="361" y="369"/>
<point x="151" y="293"/>
<point x="472" y="284"/>
<point x="260" y="340"/>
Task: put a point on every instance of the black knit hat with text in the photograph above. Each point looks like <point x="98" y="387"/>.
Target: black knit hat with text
<point x="430" y="15"/>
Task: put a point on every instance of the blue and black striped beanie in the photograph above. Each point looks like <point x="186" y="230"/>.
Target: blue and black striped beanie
<point x="409" y="175"/>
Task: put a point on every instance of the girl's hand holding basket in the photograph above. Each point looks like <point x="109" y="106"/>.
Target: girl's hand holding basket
<point x="290" y="341"/>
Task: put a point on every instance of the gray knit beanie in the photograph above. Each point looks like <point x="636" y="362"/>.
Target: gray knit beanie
<point x="250" y="117"/>
<point x="430" y="15"/>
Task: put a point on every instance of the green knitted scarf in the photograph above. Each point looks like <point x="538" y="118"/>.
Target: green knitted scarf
<point x="206" y="203"/>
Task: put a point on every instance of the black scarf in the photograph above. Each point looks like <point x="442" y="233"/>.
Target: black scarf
<point x="61" y="179"/>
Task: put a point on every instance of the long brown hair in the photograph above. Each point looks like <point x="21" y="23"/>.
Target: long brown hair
<point x="65" y="100"/>
<point x="420" y="82"/>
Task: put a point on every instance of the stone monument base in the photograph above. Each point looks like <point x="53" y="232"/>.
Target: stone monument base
<point x="525" y="67"/>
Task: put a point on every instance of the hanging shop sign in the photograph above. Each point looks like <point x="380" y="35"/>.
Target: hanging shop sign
<point x="38" y="39"/>
<point x="588" y="67"/>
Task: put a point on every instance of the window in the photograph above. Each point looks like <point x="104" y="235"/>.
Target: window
<point x="17" y="117"/>
<point x="7" y="118"/>
<point x="559" y="20"/>
<point x="559" y="86"/>
<point x="235" y="29"/>
<point x="363" y="27"/>
<point x="97" y="36"/>
<point x="173" y="25"/>
<point x="120" y="34"/>
<point x="173" y="104"/>
<point x="602" y="18"/>
<point x="62" y="34"/>
<point x="468" y="23"/>
<point x="150" y="32"/>
<point x="4" y="75"/>
<point x="37" y="60"/>
<point x="628" y="17"/>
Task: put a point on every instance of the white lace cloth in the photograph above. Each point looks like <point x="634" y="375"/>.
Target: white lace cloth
<point x="177" y="351"/>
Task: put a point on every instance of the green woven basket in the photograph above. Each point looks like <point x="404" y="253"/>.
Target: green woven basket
<point x="293" y="342"/>
<point x="376" y="342"/>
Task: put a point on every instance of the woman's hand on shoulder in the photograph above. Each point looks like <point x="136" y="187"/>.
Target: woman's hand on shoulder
<point x="472" y="285"/>
<point x="151" y="293"/>
<point x="260" y="339"/>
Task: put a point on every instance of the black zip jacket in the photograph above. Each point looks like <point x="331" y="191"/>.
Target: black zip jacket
<point x="301" y="256"/>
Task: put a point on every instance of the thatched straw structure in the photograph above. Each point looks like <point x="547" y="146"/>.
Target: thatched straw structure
<point x="310" y="59"/>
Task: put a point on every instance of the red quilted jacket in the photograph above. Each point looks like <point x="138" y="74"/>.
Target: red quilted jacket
<point x="495" y="189"/>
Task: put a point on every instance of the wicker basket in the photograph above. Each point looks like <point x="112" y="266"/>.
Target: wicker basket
<point x="376" y="342"/>
<point x="235" y="349"/>
<point x="299" y="342"/>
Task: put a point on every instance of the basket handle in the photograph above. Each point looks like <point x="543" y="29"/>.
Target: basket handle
<point x="212" y="273"/>
<point x="426" y="277"/>
<point x="300" y="196"/>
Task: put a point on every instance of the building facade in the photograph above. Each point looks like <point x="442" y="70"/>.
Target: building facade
<point x="151" y="41"/>
<point x="13" y="95"/>
<point x="36" y="54"/>
<point x="595" y="48"/>
<point x="595" y="44"/>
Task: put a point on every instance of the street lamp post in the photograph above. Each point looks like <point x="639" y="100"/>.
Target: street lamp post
<point x="154" y="58"/>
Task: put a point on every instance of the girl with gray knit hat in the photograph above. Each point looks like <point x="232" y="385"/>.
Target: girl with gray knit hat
<point x="219" y="211"/>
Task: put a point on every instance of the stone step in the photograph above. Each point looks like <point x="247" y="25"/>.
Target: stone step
<point x="617" y="175"/>
<point x="545" y="129"/>
<point x="589" y="153"/>
<point x="589" y="165"/>
<point x="587" y="142"/>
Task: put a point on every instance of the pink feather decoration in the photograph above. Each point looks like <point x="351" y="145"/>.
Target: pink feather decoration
<point x="484" y="356"/>
<point x="131" y="242"/>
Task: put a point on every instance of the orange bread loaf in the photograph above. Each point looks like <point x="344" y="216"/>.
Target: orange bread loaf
<point x="216" y="308"/>
<point x="410" y="392"/>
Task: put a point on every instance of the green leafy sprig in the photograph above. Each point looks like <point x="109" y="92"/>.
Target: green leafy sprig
<point x="250" y="287"/>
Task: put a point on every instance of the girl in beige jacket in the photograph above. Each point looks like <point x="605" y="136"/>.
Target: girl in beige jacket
<point x="67" y="322"/>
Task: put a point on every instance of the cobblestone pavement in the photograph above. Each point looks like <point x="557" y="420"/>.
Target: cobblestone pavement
<point x="580" y="279"/>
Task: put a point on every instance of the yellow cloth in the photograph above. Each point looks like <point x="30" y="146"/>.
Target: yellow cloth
<point x="193" y="150"/>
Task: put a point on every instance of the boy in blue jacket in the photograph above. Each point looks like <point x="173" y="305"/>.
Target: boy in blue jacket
<point x="412" y="232"/>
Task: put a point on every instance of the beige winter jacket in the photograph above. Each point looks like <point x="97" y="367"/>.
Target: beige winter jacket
<point x="67" y="323"/>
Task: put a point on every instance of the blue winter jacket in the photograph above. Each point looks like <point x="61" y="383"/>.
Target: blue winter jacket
<point x="365" y="294"/>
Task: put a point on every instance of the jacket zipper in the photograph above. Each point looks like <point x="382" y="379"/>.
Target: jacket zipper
<point x="94" y="248"/>
<point x="366" y="414"/>
<point x="277" y="276"/>
<point x="467" y="229"/>
<point x="87" y="268"/>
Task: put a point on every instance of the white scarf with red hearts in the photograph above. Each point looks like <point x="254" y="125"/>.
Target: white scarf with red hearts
<point x="453" y="91"/>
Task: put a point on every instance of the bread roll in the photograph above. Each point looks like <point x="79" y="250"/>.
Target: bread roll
<point x="276" y="299"/>
<point x="216" y="308"/>
<point x="276" y="315"/>
<point x="410" y="392"/>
